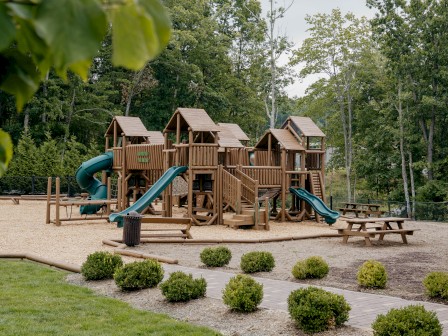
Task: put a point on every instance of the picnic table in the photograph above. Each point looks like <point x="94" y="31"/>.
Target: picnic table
<point x="370" y="227"/>
<point x="367" y="209"/>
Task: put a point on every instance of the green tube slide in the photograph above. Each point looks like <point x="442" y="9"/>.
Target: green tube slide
<point x="317" y="204"/>
<point x="150" y="195"/>
<point x="85" y="176"/>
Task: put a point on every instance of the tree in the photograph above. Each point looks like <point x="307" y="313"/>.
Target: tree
<point x="336" y="44"/>
<point x="66" y="34"/>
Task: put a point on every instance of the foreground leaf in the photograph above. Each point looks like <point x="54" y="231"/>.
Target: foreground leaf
<point x="140" y="32"/>
<point x="5" y="151"/>
<point x="6" y="27"/>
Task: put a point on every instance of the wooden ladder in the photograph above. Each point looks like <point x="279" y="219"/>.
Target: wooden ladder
<point x="316" y="185"/>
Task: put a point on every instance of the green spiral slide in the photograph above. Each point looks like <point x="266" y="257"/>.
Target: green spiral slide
<point x="317" y="204"/>
<point x="85" y="176"/>
<point x="150" y="195"/>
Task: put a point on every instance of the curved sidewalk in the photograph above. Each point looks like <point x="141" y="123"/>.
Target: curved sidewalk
<point x="365" y="306"/>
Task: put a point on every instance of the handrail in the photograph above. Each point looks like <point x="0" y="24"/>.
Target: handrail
<point x="231" y="190"/>
<point x="249" y="186"/>
<point x="266" y="176"/>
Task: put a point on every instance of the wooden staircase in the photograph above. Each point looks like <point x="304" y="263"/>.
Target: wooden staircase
<point x="316" y="185"/>
<point x="247" y="218"/>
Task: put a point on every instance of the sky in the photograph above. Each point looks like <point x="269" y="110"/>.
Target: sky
<point x="294" y="26"/>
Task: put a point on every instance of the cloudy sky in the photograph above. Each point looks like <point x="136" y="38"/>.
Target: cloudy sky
<point x="294" y="26"/>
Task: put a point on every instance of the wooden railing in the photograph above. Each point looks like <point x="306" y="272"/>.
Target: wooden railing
<point x="231" y="191"/>
<point x="266" y="176"/>
<point x="118" y="159"/>
<point x="249" y="187"/>
<point x="144" y="156"/>
<point x="204" y="155"/>
<point x="181" y="156"/>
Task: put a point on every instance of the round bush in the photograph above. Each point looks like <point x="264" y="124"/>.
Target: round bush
<point x="310" y="268"/>
<point x="139" y="274"/>
<point x="315" y="310"/>
<point x="101" y="265"/>
<point x="182" y="287"/>
<point x="216" y="257"/>
<point x="257" y="262"/>
<point x="372" y="274"/>
<point x="242" y="293"/>
<point x="410" y="320"/>
<point x="436" y="284"/>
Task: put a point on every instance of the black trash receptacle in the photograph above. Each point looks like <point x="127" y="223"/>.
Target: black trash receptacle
<point x="131" y="228"/>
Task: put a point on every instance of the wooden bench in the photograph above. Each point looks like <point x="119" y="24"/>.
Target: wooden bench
<point x="181" y="231"/>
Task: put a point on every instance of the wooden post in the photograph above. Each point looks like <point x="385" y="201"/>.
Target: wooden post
<point x="58" y="199"/>
<point x="109" y="196"/>
<point x="269" y="148"/>
<point x="115" y="142"/>
<point x="47" y="217"/>
<point x="119" y="207"/>
<point x="220" y="198"/>
<point x="177" y="158"/>
<point x="190" y="173"/>
<point x="283" y="160"/>
<point x="322" y="168"/>
<point x="124" y="182"/>
<point x="266" y="206"/>
<point x="238" y="197"/>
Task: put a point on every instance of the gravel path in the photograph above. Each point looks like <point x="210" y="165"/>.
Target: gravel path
<point x="23" y="230"/>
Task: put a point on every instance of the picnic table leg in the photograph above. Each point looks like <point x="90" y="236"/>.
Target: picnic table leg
<point x="403" y="234"/>
<point x="345" y="238"/>
<point x="367" y="241"/>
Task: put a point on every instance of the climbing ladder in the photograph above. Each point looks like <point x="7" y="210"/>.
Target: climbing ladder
<point x="316" y="184"/>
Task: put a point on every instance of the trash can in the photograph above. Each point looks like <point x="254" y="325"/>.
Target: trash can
<point x="131" y="228"/>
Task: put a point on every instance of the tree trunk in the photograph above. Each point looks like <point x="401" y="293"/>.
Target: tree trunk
<point x="348" y="165"/>
<point x="411" y="177"/>
<point x="402" y="153"/>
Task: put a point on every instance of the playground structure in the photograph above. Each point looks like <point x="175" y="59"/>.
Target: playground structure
<point x="220" y="171"/>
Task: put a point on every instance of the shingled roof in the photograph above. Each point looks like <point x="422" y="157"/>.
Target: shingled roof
<point x="226" y="139"/>
<point x="281" y="136"/>
<point x="156" y="138"/>
<point x="305" y="125"/>
<point x="236" y="130"/>
<point x="196" y="119"/>
<point x="129" y="126"/>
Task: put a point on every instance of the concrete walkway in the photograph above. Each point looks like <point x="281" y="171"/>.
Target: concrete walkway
<point x="365" y="306"/>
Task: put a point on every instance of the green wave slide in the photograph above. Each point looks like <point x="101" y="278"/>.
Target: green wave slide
<point x="150" y="195"/>
<point x="317" y="204"/>
<point x="87" y="181"/>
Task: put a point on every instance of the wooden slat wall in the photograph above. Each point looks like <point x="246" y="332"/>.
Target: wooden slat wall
<point x="231" y="191"/>
<point x="204" y="155"/>
<point x="153" y="159"/>
<point x="261" y="158"/>
<point x="118" y="152"/>
<point x="313" y="161"/>
<point x="154" y="175"/>
<point x="266" y="176"/>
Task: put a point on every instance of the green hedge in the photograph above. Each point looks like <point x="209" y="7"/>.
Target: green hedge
<point x="182" y="287"/>
<point x="101" y="265"/>
<point x="139" y="274"/>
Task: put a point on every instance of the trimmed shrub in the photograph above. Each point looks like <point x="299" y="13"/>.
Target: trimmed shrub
<point x="310" y="268"/>
<point x="410" y="320"/>
<point x="436" y="284"/>
<point x="216" y="256"/>
<point x="101" y="265"/>
<point x="242" y="293"/>
<point x="315" y="310"/>
<point x="372" y="274"/>
<point x="181" y="287"/>
<point x="139" y="274"/>
<point x="257" y="262"/>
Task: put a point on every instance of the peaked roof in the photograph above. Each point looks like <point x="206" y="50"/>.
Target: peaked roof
<point x="236" y="130"/>
<point x="281" y="136"/>
<point x="156" y="138"/>
<point x="227" y="139"/>
<point x="130" y="126"/>
<point x="305" y="125"/>
<point x="196" y="119"/>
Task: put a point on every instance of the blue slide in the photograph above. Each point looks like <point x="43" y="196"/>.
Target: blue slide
<point x="317" y="204"/>
<point x="150" y="195"/>
<point x="85" y="176"/>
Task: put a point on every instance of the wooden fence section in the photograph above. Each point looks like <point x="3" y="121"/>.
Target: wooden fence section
<point x="118" y="160"/>
<point x="231" y="191"/>
<point x="262" y="158"/>
<point x="270" y="177"/>
<point x="153" y="175"/>
<point x="249" y="187"/>
<point x="181" y="156"/>
<point x="204" y="155"/>
<point x="146" y="156"/>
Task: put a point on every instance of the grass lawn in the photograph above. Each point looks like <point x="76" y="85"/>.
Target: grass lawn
<point x="35" y="300"/>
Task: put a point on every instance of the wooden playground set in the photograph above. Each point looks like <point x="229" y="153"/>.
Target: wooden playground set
<point x="280" y="177"/>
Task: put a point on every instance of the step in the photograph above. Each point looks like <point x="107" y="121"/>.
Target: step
<point x="244" y="217"/>
<point x="251" y="212"/>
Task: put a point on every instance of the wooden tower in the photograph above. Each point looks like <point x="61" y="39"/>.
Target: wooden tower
<point x="191" y="139"/>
